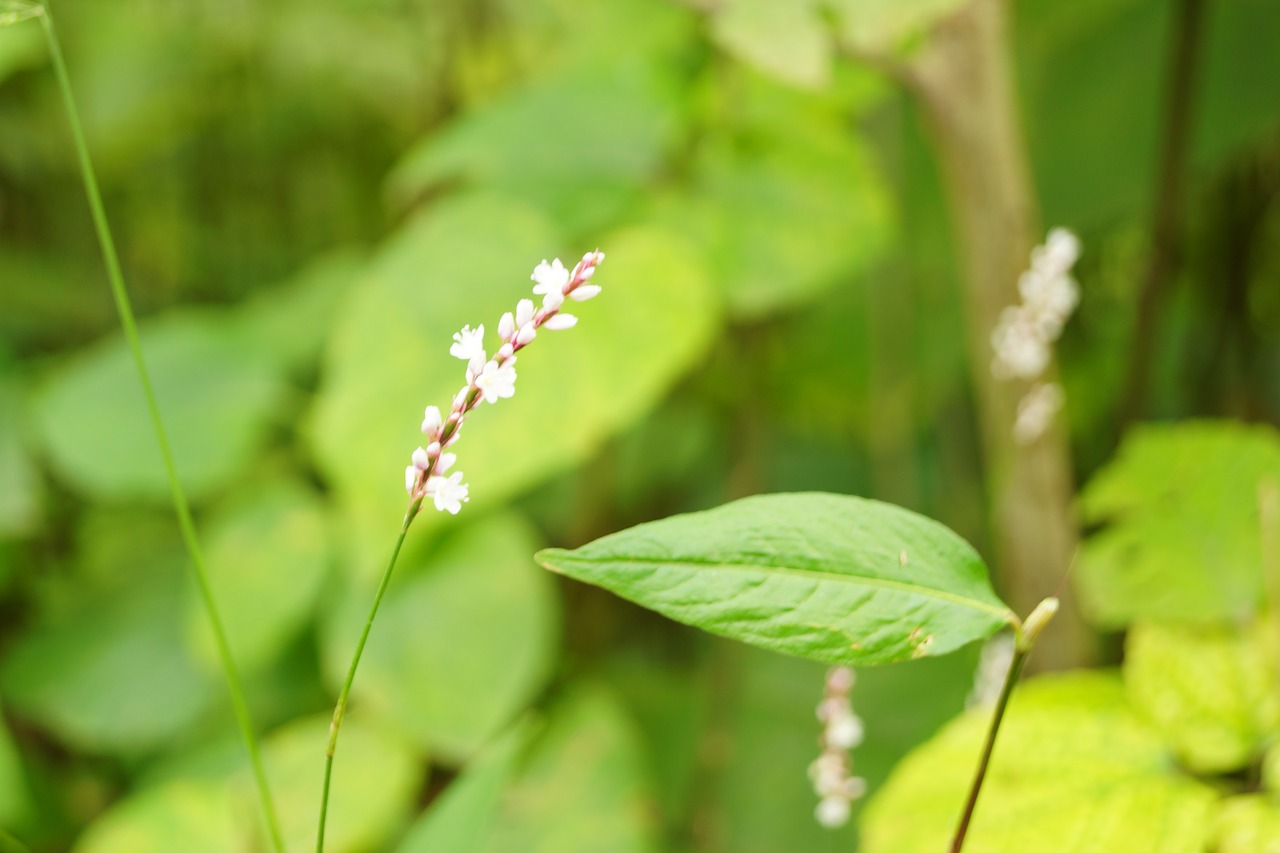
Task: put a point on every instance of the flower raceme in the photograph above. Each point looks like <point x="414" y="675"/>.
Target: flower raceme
<point x="492" y="379"/>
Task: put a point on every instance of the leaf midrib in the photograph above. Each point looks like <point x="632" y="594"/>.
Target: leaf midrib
<point x="926" y="592"/>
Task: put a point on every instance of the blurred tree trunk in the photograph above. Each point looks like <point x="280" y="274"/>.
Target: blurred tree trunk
<point x="964" y="81"/>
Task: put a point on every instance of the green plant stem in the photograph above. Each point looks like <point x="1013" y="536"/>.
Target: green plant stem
<point x="1025" y="634"/>
<point x="340" y="709"/>
<point x="9" y="844"/>
<point x="180" y="504"/>
<point x="1015" y="670"/>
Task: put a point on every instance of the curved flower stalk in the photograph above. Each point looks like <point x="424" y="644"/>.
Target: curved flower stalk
<point x="488" y="380"/>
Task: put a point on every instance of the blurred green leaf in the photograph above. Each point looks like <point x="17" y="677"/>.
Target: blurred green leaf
<point x="111" y="672"/>
<point x="788" y="40"/>
<point x="1072" y="767"/>
<point x="193" y="816"/>
<point x="1211" y="692"/>
<point x="882" y="26"/>
<point x="14" y="797"/>
<point x="460" y="820"/>
<point x="577" y="145"/>
<point x="217" y="394"/>
<point x="1181" y="540"/>
<point x="1247" y="824"/>
<point x="461" y="643"/>
<point x="267" y="554"/>
<point x="292" y="320"/>
<point x="788" y="203"/>
<point x="19" y="48"/>
<point x="581" y="789"/>
<point x="827" y="577"/>
<point x="375" y="780"/>
<point x="21" y="489"/>
<point x="13" y="11"/>
<point x="463" y="263"/>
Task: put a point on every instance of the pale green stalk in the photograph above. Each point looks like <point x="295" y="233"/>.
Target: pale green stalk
<point x="180" y="504"/>
<point x="1025" y="637"/>
<point x="340" y="710"/>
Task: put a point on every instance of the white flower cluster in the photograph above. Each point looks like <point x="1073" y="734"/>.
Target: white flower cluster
<point x="492" y="379"/>
<point x="1023" y="339"/>
<point x="832" y="773"/>
<point x="993" y="668"/>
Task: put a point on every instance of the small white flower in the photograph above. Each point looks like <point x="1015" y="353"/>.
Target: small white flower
<point x="552" y="301"/>
<point x="550" y="278"/>
<point x="507" y="326"/>
<point x="468" y="344"/>
<point x="448" y="493"/>
<point x="560" y="321"/>
<point x="1036" y="411"/>
<point x="1020" y="347"/>
<point x="445" y="462"/>
<point x="421" y="460"/>
<point x="586" y="291"/>
<point x="431" y="421"/>
<point x="526" y="334"/>
<point x="833" y="811"/>
<point x="497" y="381"/>
<point x="524" y="312"/>
<point x="845" y="732"/>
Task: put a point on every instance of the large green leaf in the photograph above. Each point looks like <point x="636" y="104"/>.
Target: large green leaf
<point x="111" y="672"/>
<point x="578" y="144"/>
<point x="1073" y="769"/>
<point x="582" y="787"/>
<point x="787" y="40"/>
<point x="828" y="577"/>
<point x="1210" y="691"/>
<point x="466" y="262"/>
<point x="787" y="200"/>
<point x="460" y="820"/>
<point x="268" y="554"/>
<point x="216" y="395"/>
<point x="461" y="644"/>
<point x="1247" y="824"/>
<point x="1181" y="539"/>
<point x="187" y="814"/>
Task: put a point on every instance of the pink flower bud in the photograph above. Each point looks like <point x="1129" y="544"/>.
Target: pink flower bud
<point x="433" y="449"/>
<point x="421" y="460"/>
<point x="431" y="421"/>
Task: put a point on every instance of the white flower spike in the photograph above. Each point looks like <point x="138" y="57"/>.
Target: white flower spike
<point x="492" y="379"/>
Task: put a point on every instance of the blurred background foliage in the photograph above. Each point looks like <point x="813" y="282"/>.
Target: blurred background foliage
<point x="310" y="197"/>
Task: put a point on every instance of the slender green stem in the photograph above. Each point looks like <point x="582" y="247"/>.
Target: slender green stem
<point x="180" y="505"/>
<point x="1015" y="669"/>
<point x="9" y="844"/>
<point x="340" y="710"/>
<point x="1025" y="634"/>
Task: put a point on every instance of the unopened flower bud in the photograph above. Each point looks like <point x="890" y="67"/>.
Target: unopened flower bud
<point x="560" y="321"/>
<point x="524" y="312"/>
<point x="507" y="326"/>
<point x="586" y="291"/>
<point x="527" y="333"/>
<point x="431" y="421"/>
<point x="421" y="459"/>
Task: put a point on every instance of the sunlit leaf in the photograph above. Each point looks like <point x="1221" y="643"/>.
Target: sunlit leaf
<point x="216" y="395"/>
<point x="1181" y="539"/>
<point x="188" y="815"/>
<point x="1211" y="692"/>
<point x="1247" y="824"/>
<point x="828" y="577"/>
<point x="884" y="25"/>
<point x="267" y="556"/>
<point x="788" y="40"/>
<point x="467" y="262"/>
<point x="1073" y="769"/>
<point x="461" y="643"/>
<point x="13" y="11"/>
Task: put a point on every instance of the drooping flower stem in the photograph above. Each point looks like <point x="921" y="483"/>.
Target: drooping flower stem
<point x="180" y="505"/>
<point x="340" y="709"/>
<point x="1025" y="638"/>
